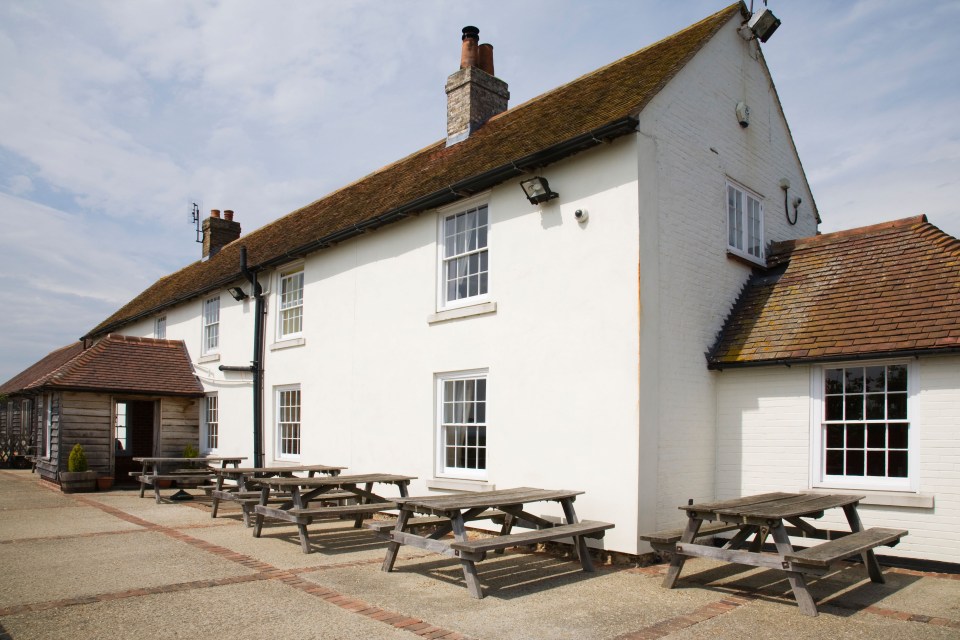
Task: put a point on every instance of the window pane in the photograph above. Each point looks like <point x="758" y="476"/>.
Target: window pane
<point x="834" y="463"/>
<point x="855" y="439"/>
<point x="835" y="436"/>
<point x="897" y="406"/>
<point x="876" y="463"/>
<point x="875" y="378"/>
<point x="876" y="436"/>
<point x="898" y="436"/>
<point x="875" y="406"/>
<point x="833" y="380"/>
<point x="834" y="408"/>
<point x="854" y="380"/>
<point x="897" y="464"/>
<point x="897" y="378"/>
<point x="854" y="408"/>
<point x="855" y="462"/>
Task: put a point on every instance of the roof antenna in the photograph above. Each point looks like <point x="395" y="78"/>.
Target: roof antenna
<point x="195" y="214"/>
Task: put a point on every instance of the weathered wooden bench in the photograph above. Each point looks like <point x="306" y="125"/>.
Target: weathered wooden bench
<point x="667" y="539"/>
<point x="384" y="527"/>
<point x="478" y="548"/>
<point x="182" y="478"/>
<point x="833" y="551"/>
<point x="249" y="499"/>
<point x="303" y="516"/>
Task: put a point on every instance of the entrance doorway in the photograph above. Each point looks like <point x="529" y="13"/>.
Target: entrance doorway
<point x="133" y="434"/>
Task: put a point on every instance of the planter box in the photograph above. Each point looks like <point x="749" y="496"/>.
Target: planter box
<point x="77" y="481"/>
<point x="104" y="483"/>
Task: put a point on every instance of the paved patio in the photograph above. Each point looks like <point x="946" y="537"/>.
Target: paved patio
<point x="111" y="565"/>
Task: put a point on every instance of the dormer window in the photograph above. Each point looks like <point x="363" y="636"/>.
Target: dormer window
<point x="744" y="223"/>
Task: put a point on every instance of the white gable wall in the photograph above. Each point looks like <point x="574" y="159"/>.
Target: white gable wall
<point x="699" y="144"/>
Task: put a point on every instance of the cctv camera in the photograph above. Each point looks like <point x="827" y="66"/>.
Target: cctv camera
<point x="581" y="215"/>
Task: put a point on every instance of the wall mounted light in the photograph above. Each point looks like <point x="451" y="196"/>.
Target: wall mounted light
<point x="763" y="23"/>
<point x="237" y="293"/>
<point x="537" y="190"/>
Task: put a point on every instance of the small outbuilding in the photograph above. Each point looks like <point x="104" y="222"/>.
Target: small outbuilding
<point x="120" y="397"/>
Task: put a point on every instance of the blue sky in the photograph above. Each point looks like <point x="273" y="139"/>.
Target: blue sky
<point x="116" y="116"/>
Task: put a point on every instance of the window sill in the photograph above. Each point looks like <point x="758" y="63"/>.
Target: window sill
<point x="462" y="312"/>
<point x="749" y="261"/>
<point x="287" y="344"/>
<point x="884" y="498"/>
<point x="455" y="484"/>
<point x="210" y="357"/>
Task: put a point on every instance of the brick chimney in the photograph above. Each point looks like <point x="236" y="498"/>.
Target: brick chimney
<point x="474" y="95"/>
<point x="218" y="232"/>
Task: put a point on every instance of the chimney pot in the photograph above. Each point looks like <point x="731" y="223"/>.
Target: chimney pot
<point x="228" y="214"/>
<point x="485" y="58"/>
<point x="214" y="213"/>
<point x="468" y="48"/>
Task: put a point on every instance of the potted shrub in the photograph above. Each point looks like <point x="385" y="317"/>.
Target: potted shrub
<point x="78" y="476"/>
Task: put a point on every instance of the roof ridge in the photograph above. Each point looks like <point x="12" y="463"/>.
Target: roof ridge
<point x="599" y="70"/>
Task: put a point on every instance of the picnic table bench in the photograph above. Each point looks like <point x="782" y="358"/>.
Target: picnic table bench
<point x="765" y="514"/>
<point x="245" y="489"/>
<point x="302" y="508"/>
<point x="450" y="513"/>
<point x="151" y="474"/>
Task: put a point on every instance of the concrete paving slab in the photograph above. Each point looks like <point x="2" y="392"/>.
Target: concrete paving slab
<point x="527" y="596"/>
<point x="252" y="611"/>
<point x="43" y="570"/>
<point x="68" y="519"/>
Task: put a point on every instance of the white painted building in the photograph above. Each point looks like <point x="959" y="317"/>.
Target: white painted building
<point x="429" y="320"/>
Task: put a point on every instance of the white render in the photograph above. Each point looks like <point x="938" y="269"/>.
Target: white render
<point x="592" y="336"/>
<point x="765" y="433"/>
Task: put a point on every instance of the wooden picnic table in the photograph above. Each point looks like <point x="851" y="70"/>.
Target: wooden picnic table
<point x="446" y="513"/>
<point x="246" y="490"/>
<point x="151" y="472"/>
<point x="767" y="514"/>
<point x="302" y="491"/>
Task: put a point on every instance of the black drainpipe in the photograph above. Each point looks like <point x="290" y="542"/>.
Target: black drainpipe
<point x="258" y="337"/>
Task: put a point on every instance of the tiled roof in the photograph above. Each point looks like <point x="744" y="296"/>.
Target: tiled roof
<point x="42" y="368"/>
<point x="115" y="364"/>
<point x="543" y="129"/>
<point x="886" y="289"/>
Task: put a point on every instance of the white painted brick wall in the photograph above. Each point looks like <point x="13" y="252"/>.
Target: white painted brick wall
<point x="764" y="433"/>
<point x="699" y="145"/>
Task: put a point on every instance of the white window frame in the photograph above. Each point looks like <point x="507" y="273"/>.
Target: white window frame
<point x="280" y="419"/>
<point x="442" y="470"/>
<point x="818" y="476"/>
<point x="290" y="273"/>
<point x="742" y="228"/>
<point x="210" y="336"/>
<point x="464" y="208"/>
<point x="160" y="327"/>
<point x="211" y="409"/>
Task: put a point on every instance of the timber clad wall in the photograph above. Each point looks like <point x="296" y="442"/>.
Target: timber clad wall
<point x="49" y="466"/>
<point x="87" y="418"/>
<point x="179" y="418"/>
